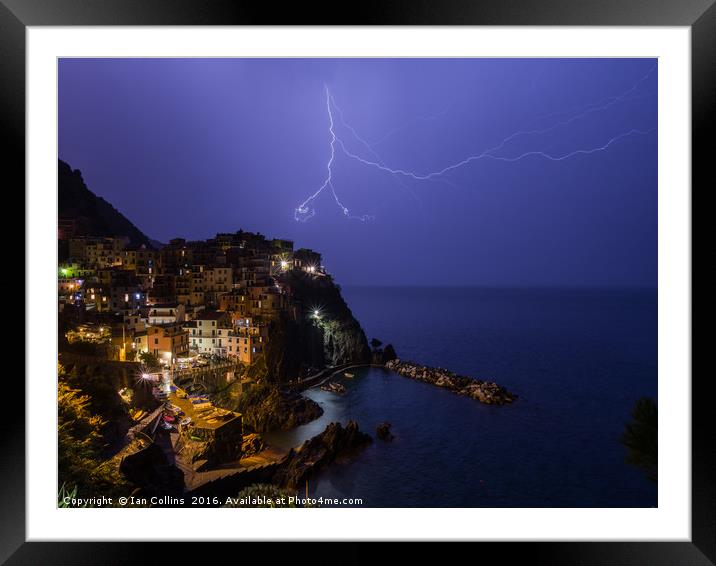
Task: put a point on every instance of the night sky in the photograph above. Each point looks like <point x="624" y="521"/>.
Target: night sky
<point x="191" y="147"/>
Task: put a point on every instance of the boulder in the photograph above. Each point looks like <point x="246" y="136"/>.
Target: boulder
<point x="383" y="432"/>
<point x="335" y="443"/>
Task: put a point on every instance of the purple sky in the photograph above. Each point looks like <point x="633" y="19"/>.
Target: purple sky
<point x="191" y="147"/>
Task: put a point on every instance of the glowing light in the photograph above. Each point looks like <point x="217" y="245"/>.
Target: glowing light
<point x="64" y="271"/>
<point x="284" y="264"/>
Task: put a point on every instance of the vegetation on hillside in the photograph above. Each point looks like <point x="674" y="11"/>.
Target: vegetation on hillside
<point x="641" y="438"/>
<point x="81" y="468"/>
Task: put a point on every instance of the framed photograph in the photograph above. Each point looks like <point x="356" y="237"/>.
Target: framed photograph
<point x="421" y="275"/>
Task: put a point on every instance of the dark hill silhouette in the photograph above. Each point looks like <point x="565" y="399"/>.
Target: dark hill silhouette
<point x="93" y="215"/>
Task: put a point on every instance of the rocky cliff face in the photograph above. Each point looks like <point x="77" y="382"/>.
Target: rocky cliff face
<point x="273" y="409"/>
<point x="335" y="443"/>
<point x="304" y="340"/>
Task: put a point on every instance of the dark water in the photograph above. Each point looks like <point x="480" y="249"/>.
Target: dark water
<point x="578" y="359"/>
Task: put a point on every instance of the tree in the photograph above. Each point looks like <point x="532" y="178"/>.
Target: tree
<point x="99" y="388"/>
<point x="149" y="360"/>
<point x="375" y="343"/>
<point x="80" y="443"/>
<point x="641" y="438"/>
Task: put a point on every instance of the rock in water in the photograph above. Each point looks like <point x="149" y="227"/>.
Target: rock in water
<point x="336" y="443"/>
<point x="383" y="432"/>
<point x="268" y="408"/>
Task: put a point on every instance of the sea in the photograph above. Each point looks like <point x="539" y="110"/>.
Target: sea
<point x="577" y="358"/>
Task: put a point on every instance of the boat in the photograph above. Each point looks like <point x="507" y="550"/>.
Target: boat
<point x="333" y="388"/>
<point x="349" y="374"/>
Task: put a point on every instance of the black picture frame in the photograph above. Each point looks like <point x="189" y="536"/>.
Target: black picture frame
<point x="699" y="15"/>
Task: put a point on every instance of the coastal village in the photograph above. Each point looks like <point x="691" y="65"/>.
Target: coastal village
<point x="211" y="299"/>
<point x="187" y="313"/>
<point x="175" y="359"/>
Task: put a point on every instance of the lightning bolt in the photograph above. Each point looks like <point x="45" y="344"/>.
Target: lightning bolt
<point x="305" y="211"/>
<point x="488" y="155"/>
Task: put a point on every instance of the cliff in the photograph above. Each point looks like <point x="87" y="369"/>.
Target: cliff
<point x="334" y="444"/>
<point x="309" y="340"/>
<point x="266" y="407"/>
<point x="93" y="215"/>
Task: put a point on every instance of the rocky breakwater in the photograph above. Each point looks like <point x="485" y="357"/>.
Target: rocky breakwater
<point x="483" y="391"/>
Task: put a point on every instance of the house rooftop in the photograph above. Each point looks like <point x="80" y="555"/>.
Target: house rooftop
<point x="179" y="325"/>
<point x="211" y="315"/>
<point x="202" y="412"/>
